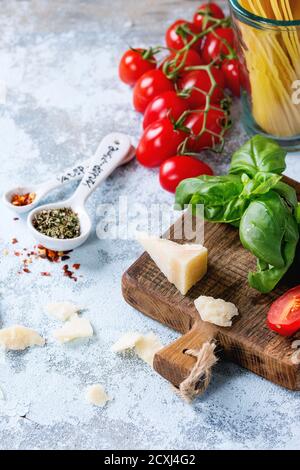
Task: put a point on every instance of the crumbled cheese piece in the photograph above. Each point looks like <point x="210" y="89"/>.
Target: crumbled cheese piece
<point x="127" y="341"/>
<point x="183" y="265"/>
<point x="147" y="347"/>
<point x="62" y="310"/>
<point x="5" y="252"/>
<point x="73" y="329"/>
<point x="96" y="395"/>
<point x="18" y="338"/>
<point x="216" y="311"/>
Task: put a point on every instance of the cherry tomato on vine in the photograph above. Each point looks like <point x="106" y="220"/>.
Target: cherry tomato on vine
<point x="178" y="62"/>
<point x="150" y="85"/>
<point x="204" y="11"/>
<point x="284" y="314"/>
<point x="177" y="37"/>
<point x="216" y="121"/>
<point x="200" y="84"/>
<point x="134" y="63"/>
<point x="231" y="70"/>
<point x="178" y="168"/>
<point x="216" y="45"/>
<point x="159" y="141"/>
<point x="166" y="104"/>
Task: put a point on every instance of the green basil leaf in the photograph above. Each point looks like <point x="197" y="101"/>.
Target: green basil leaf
<point x="287" y="193"/>
<point x="297" y="213"/>
<point x="211" y="190"/>
<point x="262" y="228"/>
<point x="267" y="277"/>
<point x="258" y="154"/>
<point x="260" y="184"/>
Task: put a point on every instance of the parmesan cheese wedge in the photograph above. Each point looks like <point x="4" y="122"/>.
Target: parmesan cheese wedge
<point x="96" y="395"/>
<point x="216" y="311"/>
<point x="18" y="338"/>
<point x="74" y="329"/>
<point x="183" y="265"/>
<point x="62" y="310"/>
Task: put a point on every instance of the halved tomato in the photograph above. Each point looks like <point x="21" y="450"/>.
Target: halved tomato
<point x="284" y="314"/>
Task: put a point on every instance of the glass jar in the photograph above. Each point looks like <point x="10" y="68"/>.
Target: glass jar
<point x="269" y="53"/>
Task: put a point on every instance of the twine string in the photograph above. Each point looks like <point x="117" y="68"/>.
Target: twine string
<point x="199" y="378"/>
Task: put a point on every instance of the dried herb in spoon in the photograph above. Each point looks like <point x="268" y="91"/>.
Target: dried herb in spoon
<point x="57" y="223"/>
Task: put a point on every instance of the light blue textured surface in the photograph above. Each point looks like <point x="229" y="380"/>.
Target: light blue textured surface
<point x="59" y="61"/>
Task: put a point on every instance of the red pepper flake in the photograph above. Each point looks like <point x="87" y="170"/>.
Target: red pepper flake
<point x="22" y="199"/>
<point x="68" y="273"/>
<point x="14" y="241"/>
<point x="45" y="273"/>
<point x="76" y="266"/>
<point x="17" y="253"/>
<point x="26" y="270"/>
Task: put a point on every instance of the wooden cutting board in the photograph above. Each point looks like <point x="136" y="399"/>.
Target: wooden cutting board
<point x="248" y="342"/>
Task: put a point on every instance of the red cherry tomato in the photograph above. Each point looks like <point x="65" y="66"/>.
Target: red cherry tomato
<point x="201" y="80"/>
<point x="216" y="120"/>
<point x="159" y="141"/>
<point x="177" y="38"/>
<point x="134" y="63"/>
<point x="216" y="44"/>
<point x="204" y="11"/>
<point x="177" y="65"/>
<point x="150" y="85"/>
<point x="178" y="168"/>
<point x="166" y="104"/>
<point x="231" y="70"/>
<point x="284" y="314"/>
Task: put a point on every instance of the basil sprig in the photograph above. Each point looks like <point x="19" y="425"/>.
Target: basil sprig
<point x="253" y="198"/>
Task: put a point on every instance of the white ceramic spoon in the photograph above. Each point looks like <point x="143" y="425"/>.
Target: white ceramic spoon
<point x="41" y="190"/>
<point x="112" y="151"/>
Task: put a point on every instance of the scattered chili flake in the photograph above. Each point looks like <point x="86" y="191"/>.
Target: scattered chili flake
<point x="76" y="266"/>
<point x="45" y="273"/>
<point x="65" y="258"/>
<point x="51" y="255"/>
<point x="16" y="218"/>
<point x="17" y="253"/>
<point x="14" y="241"/>
<point x="23" y="199"/>
<point x="26" y="270"/>
<point x="68" y="273"/>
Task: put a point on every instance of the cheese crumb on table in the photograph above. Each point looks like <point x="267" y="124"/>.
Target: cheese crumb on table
<point x="62" y="310"/>
<point x="145" y="346"/>
<point x="74" y="329"/>
<point x="96" y="395"/>
<point x="216" y="311"/>
<point x="127" y="341"/>
<point x="18" y="338"/>
<point x="183" y="265"/>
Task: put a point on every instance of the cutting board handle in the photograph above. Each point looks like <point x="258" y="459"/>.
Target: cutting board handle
<point x="175" y="362"/>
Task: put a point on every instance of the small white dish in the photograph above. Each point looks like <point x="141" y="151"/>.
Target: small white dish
<point x="114" y="150"/>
